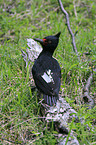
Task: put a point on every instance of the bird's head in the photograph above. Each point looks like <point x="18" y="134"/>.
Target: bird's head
<point x="49" y="43"/>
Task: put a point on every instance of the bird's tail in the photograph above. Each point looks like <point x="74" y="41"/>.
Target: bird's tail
<point x="50" y="100"/>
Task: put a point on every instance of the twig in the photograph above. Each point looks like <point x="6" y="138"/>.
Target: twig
<point x="68" y="26"/>
<point x="86" y="97"/>
<point x="86" y="88"/>
<point x="75" y="8"/>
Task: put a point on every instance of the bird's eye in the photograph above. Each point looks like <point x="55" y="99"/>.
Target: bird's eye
<point x="49" y="41"/>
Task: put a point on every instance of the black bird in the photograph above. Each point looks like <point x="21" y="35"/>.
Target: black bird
<point x="46" y="70"/>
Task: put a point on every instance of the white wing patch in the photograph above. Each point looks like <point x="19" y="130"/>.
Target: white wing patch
<point x="47" y="76"/>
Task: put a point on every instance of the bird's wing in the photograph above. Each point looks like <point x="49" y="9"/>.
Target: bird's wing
<point x="48" y="82"/>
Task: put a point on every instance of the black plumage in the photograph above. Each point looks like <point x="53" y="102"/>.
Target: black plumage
<point x="46" y="70"/>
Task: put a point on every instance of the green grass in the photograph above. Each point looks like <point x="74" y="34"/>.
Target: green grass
<point x="19" y="110"/>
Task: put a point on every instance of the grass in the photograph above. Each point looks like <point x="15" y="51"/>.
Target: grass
<point x="19" y="110"/>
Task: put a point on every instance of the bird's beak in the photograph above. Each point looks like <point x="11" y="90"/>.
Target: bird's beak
<point x="38" y="40"/>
